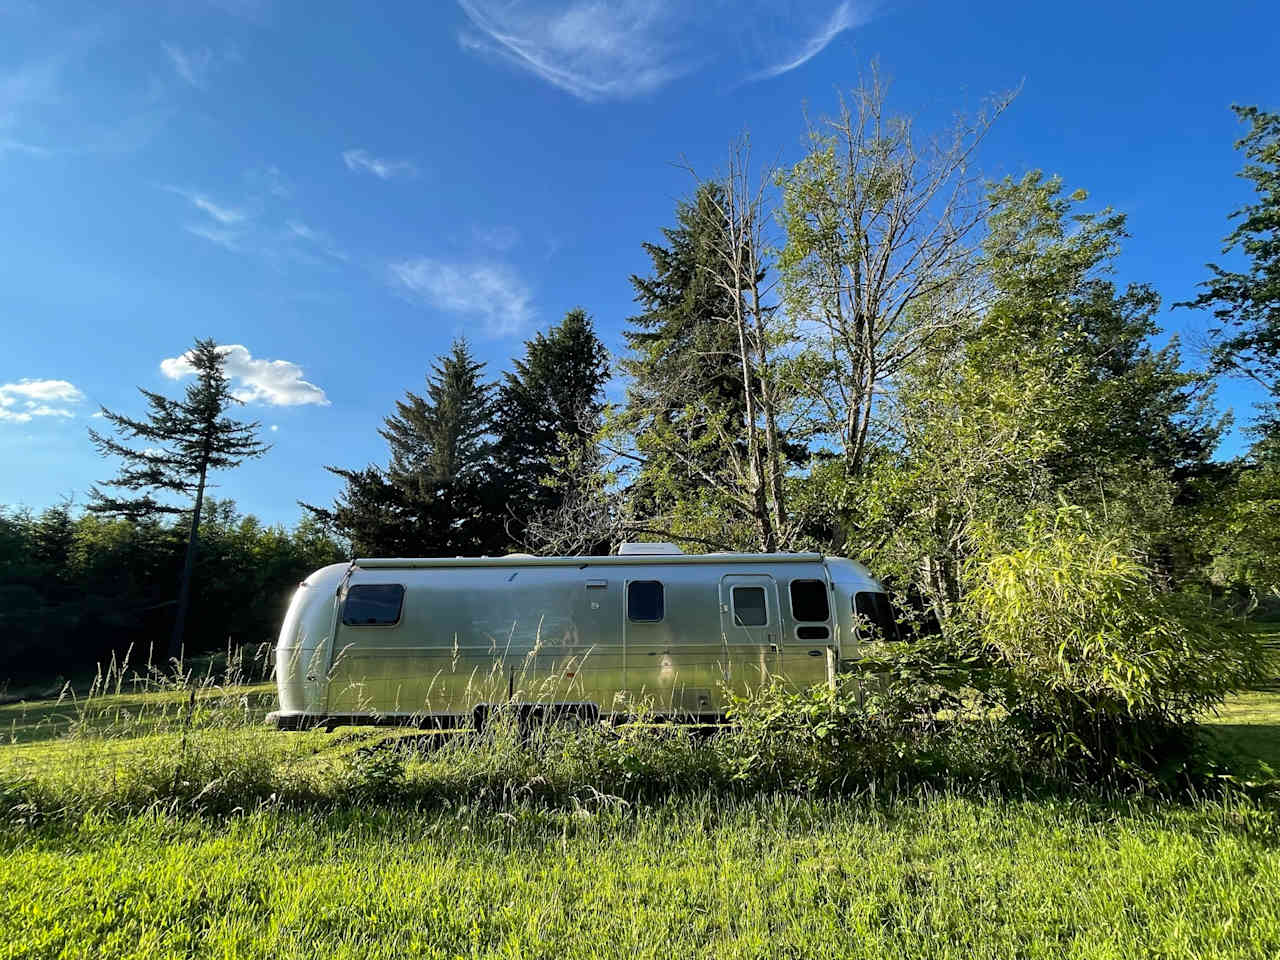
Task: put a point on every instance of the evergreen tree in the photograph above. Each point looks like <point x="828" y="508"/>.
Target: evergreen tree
<point x="435" y="497"/>
<point x="683" y="362"/>
<point x="443" y="438"/>
<point x="183" y="440"/>
<point x="548" y="410"/>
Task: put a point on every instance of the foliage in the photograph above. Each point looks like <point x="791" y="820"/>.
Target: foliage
<point x="1242" y="526"/>
<point x="437" y="495"/>
<point x="1052" y="392"/>
<point x="682" y="363"/>
<point x="80" y="587"/>
<point x="185" y="439"/>
<point x="549" y="407"/>
<point x="1246" y="304"/>
<point x="1105" y="669"/>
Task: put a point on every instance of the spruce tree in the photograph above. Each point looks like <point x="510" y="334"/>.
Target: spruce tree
<point x="548" y="410"/>
<point x="683" y="358"/>
<point x="435" y="497"/>
<point x="181" y="442"/>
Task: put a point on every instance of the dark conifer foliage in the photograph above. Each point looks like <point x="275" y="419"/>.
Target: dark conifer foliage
<point x="171" y="452"/>
<point x="548" y="409"/>
<point x="436" y="495"/>
<point x="683" y="356"/>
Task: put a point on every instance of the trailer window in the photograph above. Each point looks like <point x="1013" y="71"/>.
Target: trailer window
<point x="875" y="617"/>
<point x="809" y="601"/>
<point x="644" y="601"/>
<point x="373" y="605"/>
<point x="749" y="609"/>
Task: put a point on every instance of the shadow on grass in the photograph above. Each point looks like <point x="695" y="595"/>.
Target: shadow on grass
<point x="1255" y="746"/>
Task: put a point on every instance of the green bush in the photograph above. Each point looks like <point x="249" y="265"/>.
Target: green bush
<point x="1102" y="668"/>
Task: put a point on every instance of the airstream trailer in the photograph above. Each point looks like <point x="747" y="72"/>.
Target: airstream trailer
<point x="439" y="641"/>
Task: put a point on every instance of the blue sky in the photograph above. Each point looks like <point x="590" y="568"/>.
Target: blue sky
<point x="342" y="189"/>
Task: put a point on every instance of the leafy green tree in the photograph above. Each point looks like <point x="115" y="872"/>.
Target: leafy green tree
<point x="182" y="441"/>
<point x="549" y="407"/>
<point x="1246" y="303"/>
<point x="878" y="263"/>
<point x="1051" y="393"/>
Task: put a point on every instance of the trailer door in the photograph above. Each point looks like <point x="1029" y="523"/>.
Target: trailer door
<point x="750" y="622"/>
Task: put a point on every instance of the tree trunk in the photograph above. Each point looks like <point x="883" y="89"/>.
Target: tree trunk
<point x="184" y="590"/>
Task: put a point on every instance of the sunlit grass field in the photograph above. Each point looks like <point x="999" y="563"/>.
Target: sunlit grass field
<point x="164" y="823"/>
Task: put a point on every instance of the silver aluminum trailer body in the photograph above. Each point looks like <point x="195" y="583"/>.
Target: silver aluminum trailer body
<point x="428" y="641"/>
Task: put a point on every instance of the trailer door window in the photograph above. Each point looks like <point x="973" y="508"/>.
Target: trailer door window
<point x="809" y="601"/>
<point x="644" y="601"/>
<point x="373" y="605"/>
<point x="749" y="609"/>
<point x="875" y="616"/>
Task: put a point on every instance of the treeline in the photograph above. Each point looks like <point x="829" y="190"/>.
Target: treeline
<point x="871" y="352"/>
<point x="77" y="587"/>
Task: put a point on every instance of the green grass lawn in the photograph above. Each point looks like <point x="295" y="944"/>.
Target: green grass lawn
<point x="98" y="860"/>
<point x="775" y="877"/>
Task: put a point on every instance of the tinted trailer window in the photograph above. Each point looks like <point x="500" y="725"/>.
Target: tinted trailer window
<point x="373" y="605"/>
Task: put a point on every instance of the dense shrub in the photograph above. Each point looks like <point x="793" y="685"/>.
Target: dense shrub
<point x="1101" y="667"/>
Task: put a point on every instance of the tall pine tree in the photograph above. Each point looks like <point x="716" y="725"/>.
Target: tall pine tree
<point x="436" y="495"/>
<point x="548" y="410"/>
<point x="683" y="360"/>
<point x="182" y="441"/>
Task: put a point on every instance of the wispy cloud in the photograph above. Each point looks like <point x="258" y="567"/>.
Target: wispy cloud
<point x="316" y="238"/>
<point x="359" y="159"/>
<point x="191" y="65"/>
<point x="232" y="240"/>
<point x="254" y="226"/>
<point x="275" y="383"/>
<point x="593" y="50"/>
<point x="597" y="50"/>
<point x="223" y="214"/>
<point x="491" y="293"/>
<point x="26" y="399"/>
<point x="37" y="106"/>
<point x="844" y="17"/>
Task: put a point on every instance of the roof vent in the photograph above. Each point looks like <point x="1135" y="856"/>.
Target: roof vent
<point x="649" y="550"/>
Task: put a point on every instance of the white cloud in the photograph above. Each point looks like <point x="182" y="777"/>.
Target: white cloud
<point x="616" y="49"/>
<point x="317" y="238"/>
<point x="28" y="398"/>
<point x="201" y="201"/>
<point x="191" y="65"/>
<point x="226" y="239"/>
<point x="593" y="50"/>
<point x="489" y="292"/>
<point x="276" y="383"/>
<point x="359" y="159"/>
<point x="843" y="18"/>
